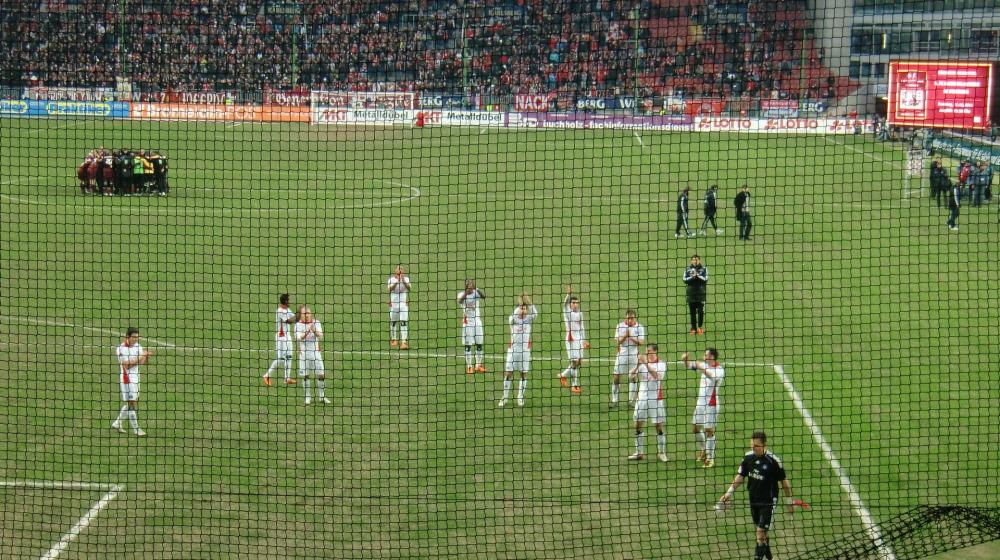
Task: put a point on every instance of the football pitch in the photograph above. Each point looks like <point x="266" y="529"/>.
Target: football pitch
<point x="854" y="327"/>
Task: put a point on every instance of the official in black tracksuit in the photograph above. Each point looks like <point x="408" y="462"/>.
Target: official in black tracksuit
<point x="682" y="213"/>
<point x="939" y="182"/>
<point x="711" y="207"/>
<point x="742" y="204"/>
<point x="763" y="471"/>
<point x="696" y="278"/>
<point x="954" y="203"/>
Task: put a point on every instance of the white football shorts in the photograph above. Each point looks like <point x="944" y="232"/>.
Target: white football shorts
<point x="625" y="363"/>
<point x="283" y="348"/>
<point x="518" y="359"/>
<point x="650" y="410"/>
<point x="130" y="391"/>
<point x="472" y="333"/>
<point x="399" y="312"/>
<point x="574" y="349"/>
<point x="310" y="362"/>
<point x="705" y="416"/>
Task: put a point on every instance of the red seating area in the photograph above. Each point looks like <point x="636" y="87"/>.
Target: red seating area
<point x="715" y="48"/>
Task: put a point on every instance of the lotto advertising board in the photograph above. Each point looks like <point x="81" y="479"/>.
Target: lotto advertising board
<point x="940" y="94"/>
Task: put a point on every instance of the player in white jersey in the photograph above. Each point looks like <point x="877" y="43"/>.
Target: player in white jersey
<point x="472" y="325"/>
<point x="284" y="318"/>
<point x="576" y="341"/>
<point x="309" y="333"/>
<point x="519" y="348"/>
<point x="649" y="404"/>
<point x="130" y="357"/>
<point x="399" y="308"/>
<point x="630" y="335"/>
<point x="709" y="404"/>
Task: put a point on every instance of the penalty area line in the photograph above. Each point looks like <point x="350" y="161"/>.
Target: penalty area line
<point x="871" y="527"/>
<point x="112" y="491"/>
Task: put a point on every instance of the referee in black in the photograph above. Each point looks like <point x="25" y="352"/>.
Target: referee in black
<point x="764" y="471"/>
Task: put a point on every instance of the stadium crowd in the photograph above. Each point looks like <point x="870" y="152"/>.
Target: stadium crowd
<point x="731" y="48"/>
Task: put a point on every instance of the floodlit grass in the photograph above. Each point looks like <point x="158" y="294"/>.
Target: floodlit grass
<point x="885" y="322"/>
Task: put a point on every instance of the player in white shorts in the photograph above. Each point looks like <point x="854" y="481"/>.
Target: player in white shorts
<point x="519" y="348"/>
<point x="130" y="356"/>
<point x="283" y="321"/>
<point x="309" y="333"/>
<point x="649" y="403"/>
<point x="630" y="335"/>
<point x="708" y="405"/>
<point x="399" y="308"/>
<point x="472" y="325"/>
<point x="576" y="341"/>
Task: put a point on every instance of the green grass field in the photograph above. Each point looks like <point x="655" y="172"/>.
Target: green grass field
<point x="884" y="322"/>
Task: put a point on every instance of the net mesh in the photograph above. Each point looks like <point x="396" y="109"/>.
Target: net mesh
<point x="470" y="197"/>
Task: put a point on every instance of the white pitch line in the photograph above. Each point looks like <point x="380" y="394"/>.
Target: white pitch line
<point x="82" y="524"/>
<point x="112" y="491"/>
<point x="871" y="527"/>
<point x="864" y="153"/>
<point x="639" y="138"/>
<point x="31" y="321"/>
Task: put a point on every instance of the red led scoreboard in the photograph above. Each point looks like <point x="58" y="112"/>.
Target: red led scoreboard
<point x="940" y="94"/>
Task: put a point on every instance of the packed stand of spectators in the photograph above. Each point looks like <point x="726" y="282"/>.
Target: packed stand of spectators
<point x="718" y="48"/>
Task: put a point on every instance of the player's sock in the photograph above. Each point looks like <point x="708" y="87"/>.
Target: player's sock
<point x="133" y="420"/>
<point x="661" y="442"/>
<point x="121" y="415"/>
<point x="639" y="442"/>
<point x="288" y="369"/>
<point x="699" y="438"/>
<point x="321" y="387"/>
<point x="566" y="372"/>
<point x="468" y="356"/>
<point x="614" y="392"/>
<point x="521" y="388"/>
<point x="506" y="388"/>
<point x="633" y="388"/>
<point x="479" y="356"/>
<point x="710" y="448"/>
<point x="404" y="332"/>
<point x="274" y="364"/>
<point x="392" y="330"/>
<point x="767" y="550"/>
<point x="305" y="385"/>
<point x="575" y="372"/>
<point x="758" y="553"/>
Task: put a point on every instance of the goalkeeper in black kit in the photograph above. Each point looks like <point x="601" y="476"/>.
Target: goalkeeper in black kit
<point x="763" y="471"/>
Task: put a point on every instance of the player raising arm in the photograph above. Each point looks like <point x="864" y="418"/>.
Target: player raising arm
<point x="519" y="349"/>
<point x="709" y="404"/>
<point x="472" y="324"/>
<point x="399" y="307"/>
<point x="576" y="340"/>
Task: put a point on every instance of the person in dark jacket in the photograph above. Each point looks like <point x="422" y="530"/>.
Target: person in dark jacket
<point x="742" y="204"/>
<point x="696" y="278"/>
<point x="711" y="207"/>
<point x="953" y="204"/>
<point x="940" y="184"/>
<point x="682" y="214"/>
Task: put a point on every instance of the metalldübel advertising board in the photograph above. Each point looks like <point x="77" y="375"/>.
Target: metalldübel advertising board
<point x="940" y="94"/>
